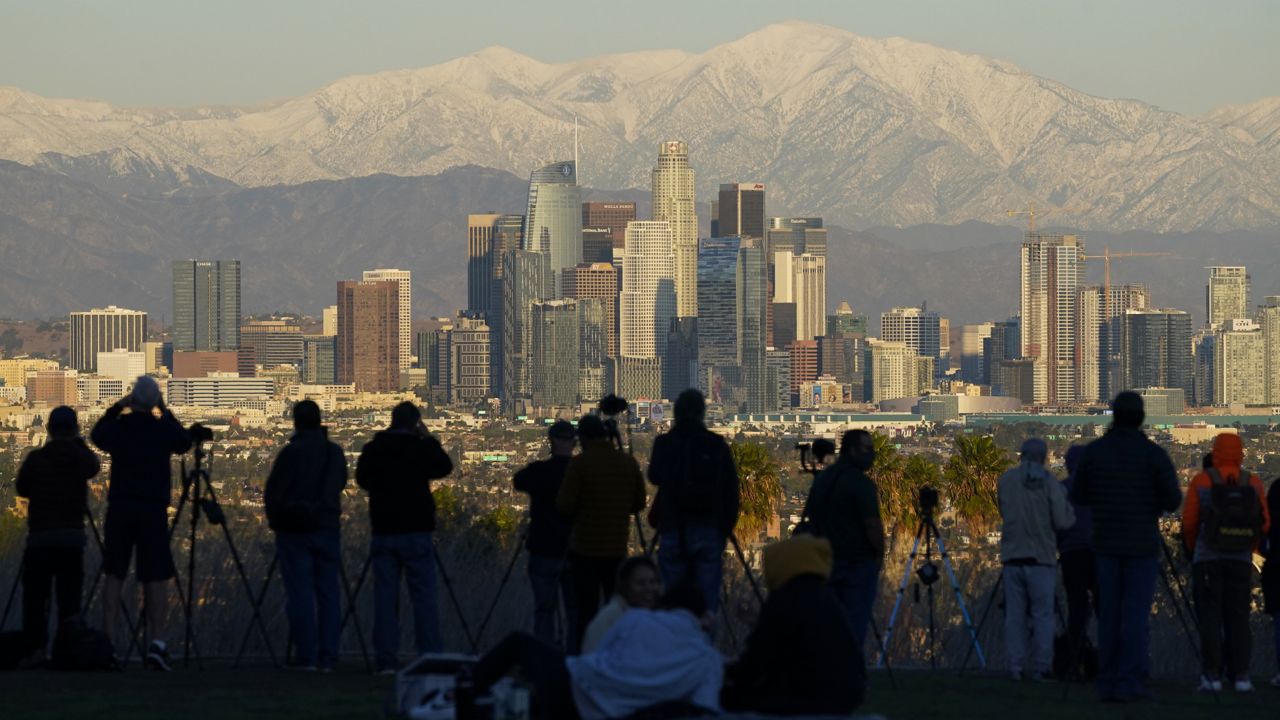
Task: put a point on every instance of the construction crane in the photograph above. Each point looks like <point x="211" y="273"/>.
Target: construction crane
<point x="1106" y="258"/>
<point x="1031" y="213"/>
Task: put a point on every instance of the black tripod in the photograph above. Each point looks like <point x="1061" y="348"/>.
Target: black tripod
<point x="928" y="575"/>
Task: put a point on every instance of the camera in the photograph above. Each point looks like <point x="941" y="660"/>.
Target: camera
<point x="613" y="405"/>
<point x="928" y="501"/>
<point x="199" y="433"/>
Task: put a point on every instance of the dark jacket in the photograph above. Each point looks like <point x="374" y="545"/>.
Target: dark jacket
<point x="140" y="445"/>
<point x="602" y="487"/>
<point x="397" y="467"/>
<point x="548" y="529"/>
<point x="1080" y="535"/>
<point x="686" y="456"/>
<point x="304" y="490"/>
<point x="1127" y="481"/>
<point x="801" y="659"/>
<point x="54" y="479"/>
<point x="1271" y="568"/>
<point x="841" y="499"/>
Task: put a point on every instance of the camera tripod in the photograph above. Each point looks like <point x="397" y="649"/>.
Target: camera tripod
<point x="928" y="575"/>
<point x="198" y="492"/>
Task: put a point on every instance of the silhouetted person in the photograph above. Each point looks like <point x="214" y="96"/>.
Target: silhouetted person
<point x="303" y="499"/>
<point x="697" y="501"/>
<point x="1271" y="569"/>
<point x="1033" y="507"/>
<point x="1127" y="481"/>
<point x="141" y="435"/>
<point x="844" y="508"/>
<point x="548" y="536"/>
<point x="802" y="657"/>
<point x="1223" y="520"/>
<point x="1079" y="575"/>
<point x="397" y="467"/>
<point x="54" y="479"/>
<point x="602" y="489"/>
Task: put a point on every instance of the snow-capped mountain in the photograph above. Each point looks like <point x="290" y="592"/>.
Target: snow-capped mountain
<point x="863" y="131"/>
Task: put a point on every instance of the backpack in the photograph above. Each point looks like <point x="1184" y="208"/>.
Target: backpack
<point x="700" y="493"/>
<point x="80" y="648"/>
<point x="1233" y="519"/>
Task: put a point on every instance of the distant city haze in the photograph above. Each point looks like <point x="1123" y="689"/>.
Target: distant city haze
<point x="1182" y="55"/>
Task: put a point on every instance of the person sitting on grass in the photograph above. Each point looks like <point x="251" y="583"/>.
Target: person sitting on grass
<point x="637" y="587"/>
<point x="649" y="660"/>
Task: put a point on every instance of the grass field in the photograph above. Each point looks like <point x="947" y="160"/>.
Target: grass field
<point x="265" y="692"/>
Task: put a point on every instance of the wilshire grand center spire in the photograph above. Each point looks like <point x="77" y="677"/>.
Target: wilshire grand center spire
<point x="553" y="222"/>
<point x="674" y="202"/>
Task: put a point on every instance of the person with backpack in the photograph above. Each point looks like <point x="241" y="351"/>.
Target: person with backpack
<point x="1223" y="520"/>
<point x="1033" y="508"/>
<point x="844" y="507"/>
<point x="54" y="479"/>
<point x="697" y="501"/>
<point x="141" y="435"/>
<point x="1127" y="481"/>
<point x="547" y="538"/>
<point x="396" y="467"/>
<point x="603" y="487"/>
<point x="303" y="499"/>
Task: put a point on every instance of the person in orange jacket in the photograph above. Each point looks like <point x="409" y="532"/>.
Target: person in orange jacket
<point x="1221" y="527"/>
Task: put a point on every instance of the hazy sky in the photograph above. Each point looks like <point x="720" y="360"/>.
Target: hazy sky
<point x="1185" y="55"/>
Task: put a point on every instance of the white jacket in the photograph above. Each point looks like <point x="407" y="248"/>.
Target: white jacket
<point x="647" y="657"/>
<point x="1034" y="507"/>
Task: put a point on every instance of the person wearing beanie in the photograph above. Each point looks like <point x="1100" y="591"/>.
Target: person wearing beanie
<point x="697" y="501"/>
<point x="396" y="467"/>
<point x="1224" y="519"/>
<point x="1033" y="508"/>
<point x="141" y="435"/>
<point x="801" y="658"/>
<point x="1127" y="481"/>
<point x="602" y="489"/>
<point x="54" y="479"/>
<point x="1075" y="557"/>
<point x="547" y="539"/>
<point x="303" y="499"/>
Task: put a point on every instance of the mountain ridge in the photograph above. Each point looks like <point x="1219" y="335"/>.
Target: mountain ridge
<point x="863" y="131"/>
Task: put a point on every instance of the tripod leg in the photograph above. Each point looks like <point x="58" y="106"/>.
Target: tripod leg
<point x="982" y="622"/>
<point x="257" y="609"/>
<point x="255" y="602"/>
<point x="355" y="593"/>
<point x="503" y="584"/>
<point x="645" y="546"/>
<point x="351" y="602"/>
<point x="964" y="611"/>
<point x="742" y="558"/>
<point x="875" y="631"/>
<point x="897" y="602"/>
<point x="453" y="598"/>
<point x="13" y="591"/>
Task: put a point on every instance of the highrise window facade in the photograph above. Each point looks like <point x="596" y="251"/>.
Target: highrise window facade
<point x="368" y="343"/>
<point x="404" y="298"/>
<point x="918" y="328"/>
<point x="556" y="339"/>
<point x="741" y="210"/>
<point x="1156" y="347"/>
<point x="553" y="221"/>
<point x="206" y="305"/>
<point x="648" y="289"/>
<point x="104" y="330"/>
<point x="526" y="280"/>
<point x="674" y="201"/>
<point x="1227" y="295"/>
<point x="1052" y="272"/>
<point x="610" y="216"/>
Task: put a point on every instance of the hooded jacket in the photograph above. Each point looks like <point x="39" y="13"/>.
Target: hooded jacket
<point x="308" y="474"/>
<point x="1127" y="481"/>
<point x="1034" y="507"/>
<point x="602" y="487"/>
<point x="1228" y="455"/>
<point x="54" y="479"/>
<point x="140" y="445"/>
<point x="647" y="658"/>
<point x="397" y="467"/>
<point x="801" y="658"/>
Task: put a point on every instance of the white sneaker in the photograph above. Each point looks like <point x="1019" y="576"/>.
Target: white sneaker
<point x="1244" y="686"/>
<point x="1207" y="685"/>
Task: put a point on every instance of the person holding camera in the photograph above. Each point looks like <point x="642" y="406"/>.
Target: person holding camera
<point x="396" y="467"/>
<point x="844" y="507"/>
<point x="140" y="435"/>
<point x="547" y="539"/>
<point x="1127" y="481"/>
<point x="1033" y="508"/>
<point x="54" y="478"/>
<point x="303" y="499"/>
<point x="697" y="501"/>
<point x="603" y="487"/>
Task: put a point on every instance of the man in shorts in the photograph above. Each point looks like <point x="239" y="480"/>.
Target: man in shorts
<point x="140" y="435"/>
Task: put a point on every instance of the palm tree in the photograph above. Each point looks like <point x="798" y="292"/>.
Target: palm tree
<point x="897" y="501"/>
<point x="970" y="478"/>
<point x="760" y="482"/>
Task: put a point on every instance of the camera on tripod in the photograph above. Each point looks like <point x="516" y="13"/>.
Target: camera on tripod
<point x="927" y="502"/>
<point x="813" y="455"/>
<point x="611" y="406"/>
<point x="199" y="433"/>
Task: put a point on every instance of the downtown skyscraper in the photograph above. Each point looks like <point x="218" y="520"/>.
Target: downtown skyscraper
<point x="674" y="202"/>
<point x="1052" y="272"/>
<point x="368" y="343"/>
<point x="1156" y="350"/>
<point x="1099" y="371"/>
<point x="404" y="297"/>
<point x="206" y="305"/>
<point x="553" y="220"/>
<point x="648" y="300"/>
<point x="732" y="299"/>
<point x="740" y="210"/>
<point x="104" y="330"/>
